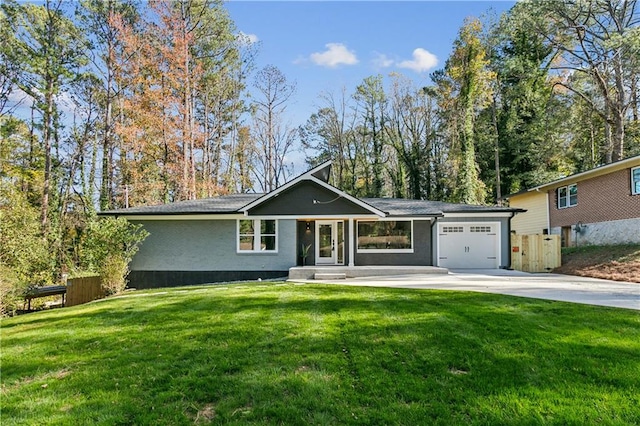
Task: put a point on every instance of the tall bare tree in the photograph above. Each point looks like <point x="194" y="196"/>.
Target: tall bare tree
<point x="597" y="38"/>
<point x="274" y="137"/>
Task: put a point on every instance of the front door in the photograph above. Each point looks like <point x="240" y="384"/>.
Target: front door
<point x="329" y="242"/>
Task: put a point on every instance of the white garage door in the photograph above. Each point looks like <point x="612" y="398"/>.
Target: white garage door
<point x="469" y="245"/>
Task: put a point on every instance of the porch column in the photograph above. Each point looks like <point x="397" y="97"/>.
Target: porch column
<point x="352" y="236"/>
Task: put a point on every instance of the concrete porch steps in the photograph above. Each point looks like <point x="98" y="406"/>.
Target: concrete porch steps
<point x="320" y="273"/>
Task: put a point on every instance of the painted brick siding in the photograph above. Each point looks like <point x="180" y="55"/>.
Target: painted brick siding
<point x="600" y="199"/>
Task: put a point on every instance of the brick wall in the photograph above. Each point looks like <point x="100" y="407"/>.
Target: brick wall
<point x="600" y="199"/>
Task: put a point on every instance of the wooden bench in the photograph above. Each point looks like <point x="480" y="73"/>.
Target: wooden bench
<point x="52" y="290"/>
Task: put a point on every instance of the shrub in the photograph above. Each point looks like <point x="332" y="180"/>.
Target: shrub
<point x="109" y="246"/>
<point x="25" y="259"/>
<point x="113" y="272"/>
<point x="10" y="294"/>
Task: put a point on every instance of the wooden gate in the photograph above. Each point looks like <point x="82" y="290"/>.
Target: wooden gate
<point x="535" y="253"/>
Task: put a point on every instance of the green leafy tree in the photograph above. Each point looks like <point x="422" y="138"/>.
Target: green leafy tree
<point x="470" y="77"/>
<point x="97" y="17"/>
<point x="24" y="260"/>
<point x="526" y="114"/>
<point x="49" y="48"/>
<point x="108" y="248"/>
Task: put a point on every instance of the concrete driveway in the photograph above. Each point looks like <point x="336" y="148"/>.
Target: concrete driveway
<point x="565" y="288"/>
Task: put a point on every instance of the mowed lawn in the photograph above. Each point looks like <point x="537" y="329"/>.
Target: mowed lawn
<point x="285" y="354"/>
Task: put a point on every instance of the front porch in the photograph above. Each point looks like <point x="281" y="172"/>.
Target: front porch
<point x="342" y="272"/>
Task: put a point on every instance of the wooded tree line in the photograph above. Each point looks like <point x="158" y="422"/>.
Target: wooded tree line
<point x="113" y="103"/>
<point x="549" y="89"/>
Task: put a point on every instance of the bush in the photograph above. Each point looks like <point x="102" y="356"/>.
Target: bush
<point x="113" y="272"/>
<point x="25" y="258"/>
<point x="10" y="292"/>
<point x="109" y="246"/>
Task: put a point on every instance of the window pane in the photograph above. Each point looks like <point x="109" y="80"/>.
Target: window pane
<point x="268" y="243"/>
<point x="562" y="197"/>
<point x="635" y="178"/>
<point x="268" y="227"/>
<point x="246" y="243"/>
<point x="246" y="227"/>
<point x="384" y="235"/>
<point x="573" y="195"/>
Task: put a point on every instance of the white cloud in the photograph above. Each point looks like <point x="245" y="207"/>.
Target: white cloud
<point x="336" y="54"/>
<point x="422" y="61"/>
<point x="248" y="38"/>
<point x="381" y="61"/>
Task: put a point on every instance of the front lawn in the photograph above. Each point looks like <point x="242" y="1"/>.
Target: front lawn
<point x="289" y="354"/>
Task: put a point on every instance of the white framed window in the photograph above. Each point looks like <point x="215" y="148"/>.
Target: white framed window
<point x="483" y="229"/>
<point x="635" y="181"/>
<point x="385" y="236"/>
<point x="257" y="235"/>
<point x="450" y="229"/>
<point x="568" y="196"/>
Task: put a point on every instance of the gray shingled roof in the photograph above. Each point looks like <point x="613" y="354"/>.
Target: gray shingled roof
<point x="217" y="205"/>
<point x="407" y="207"/>
<point x="233" y="203"/>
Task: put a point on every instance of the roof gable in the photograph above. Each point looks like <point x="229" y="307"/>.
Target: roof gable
<point x="308" y="198"/>
<point x="316" y="175"/>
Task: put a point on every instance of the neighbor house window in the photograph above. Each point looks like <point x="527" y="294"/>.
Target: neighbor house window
<point x="568" y="196"/>
<point x="257" y="235"/>
<point x="385" y="236"/>
<point x="635" y="181"/>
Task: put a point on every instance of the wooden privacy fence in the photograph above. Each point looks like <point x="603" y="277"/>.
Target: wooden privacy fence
<point x="83" y="290"/>
<point x="535" y="253"/>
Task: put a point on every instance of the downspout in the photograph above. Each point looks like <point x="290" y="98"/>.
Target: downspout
<point x="547" y="210"/>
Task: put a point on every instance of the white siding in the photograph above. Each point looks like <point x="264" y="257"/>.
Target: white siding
<point x="534" y="220"/>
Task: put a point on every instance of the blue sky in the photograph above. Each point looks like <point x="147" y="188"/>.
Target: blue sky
<point x="328" y="45"/>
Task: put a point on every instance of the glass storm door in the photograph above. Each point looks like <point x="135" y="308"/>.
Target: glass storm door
<point x="329" y="242"/>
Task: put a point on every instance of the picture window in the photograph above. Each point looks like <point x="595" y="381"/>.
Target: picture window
<point x="385" y="235"/>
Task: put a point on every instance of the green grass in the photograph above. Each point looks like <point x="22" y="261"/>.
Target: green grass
<point x="600" y="254"/>
<point x="285" y="354"/>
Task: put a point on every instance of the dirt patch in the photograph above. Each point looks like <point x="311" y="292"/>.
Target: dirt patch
<point x="618" y="263"/>
<point x="205" y="415"/>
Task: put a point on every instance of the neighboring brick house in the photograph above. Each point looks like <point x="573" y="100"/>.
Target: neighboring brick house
<point x="599" y="206"/>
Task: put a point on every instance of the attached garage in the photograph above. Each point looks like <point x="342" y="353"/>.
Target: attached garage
<point x="469" y="245"/>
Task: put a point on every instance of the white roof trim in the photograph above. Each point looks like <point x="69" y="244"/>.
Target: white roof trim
<point x="309" y="177"/>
